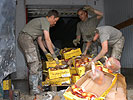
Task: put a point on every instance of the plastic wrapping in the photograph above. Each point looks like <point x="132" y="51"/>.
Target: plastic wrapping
<point x="112" y="64"/>
<point x="7" y="38"/>
<point x="96" y="75"/>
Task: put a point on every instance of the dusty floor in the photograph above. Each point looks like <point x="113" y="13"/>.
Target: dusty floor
<point x="22" y="85"/>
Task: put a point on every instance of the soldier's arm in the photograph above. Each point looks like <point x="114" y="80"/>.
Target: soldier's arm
<point x="78" y="37"/>
<point x="87" y="46"/>
<point x="95" y="37"/>
<point x="40" y="43"/>
<point x="98" y="13"/>
<point x="48" y="41"/>
<point x="94" y="11"/>
<point x="103" y="51"/>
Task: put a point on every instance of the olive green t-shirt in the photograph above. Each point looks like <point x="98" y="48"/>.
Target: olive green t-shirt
<point x="109" y="33"/>
<point x="87" y="28"/>
<point x="36" y="27"/>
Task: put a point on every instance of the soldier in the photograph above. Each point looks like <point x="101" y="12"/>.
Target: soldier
<point x="86" y="28"/>
<point x="112" y="42"/>
<point x="31" y="34"/>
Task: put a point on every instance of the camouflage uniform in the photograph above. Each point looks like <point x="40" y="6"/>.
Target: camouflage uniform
<point x="86" y="29"/>
<point x="28" y="44"/>
<point x="114" y="38"/>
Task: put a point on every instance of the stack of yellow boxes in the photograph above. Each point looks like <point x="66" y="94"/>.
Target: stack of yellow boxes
<point x="57" y="76"/>
<point x="64" y="76"/>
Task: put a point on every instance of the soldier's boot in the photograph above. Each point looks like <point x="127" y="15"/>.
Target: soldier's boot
<point x="33" y="82"/>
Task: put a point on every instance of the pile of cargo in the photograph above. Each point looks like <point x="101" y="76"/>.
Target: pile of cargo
<point x="88" y="80"/>
<point x="65" y="72"/>
<point x="102" y="82"/>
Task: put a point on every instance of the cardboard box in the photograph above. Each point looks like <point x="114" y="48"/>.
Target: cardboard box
<point x="72" y="53"/>
<point x="59" y="73"/>
<point x="53" y="63"/>
<point x="90" y="86"/>
<point x="118" y="92"/>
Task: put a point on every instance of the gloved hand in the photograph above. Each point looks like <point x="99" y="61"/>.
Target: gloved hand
<point x="48" y="56"/>
<point x="57" y="51"/>
<point x="76" y="41"/>
<point x="88" y="8"/>
<point x="55" y="58"/>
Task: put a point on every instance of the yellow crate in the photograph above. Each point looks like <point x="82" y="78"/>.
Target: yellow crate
<point x="60" y="81"/>
<point x="59" y="73"/>
<point x="73" y="70"/>
<point x="80" y="70"/>
<point x="75" y="78"/>
<point x="57" y="81"/>
<point x="6" y="84"/>
<point x="53" y="63"/>
<point x="72" y="53"/>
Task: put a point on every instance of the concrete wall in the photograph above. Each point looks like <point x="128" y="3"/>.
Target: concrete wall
<point x="21" y="72"/>
<point x="7" y="38"/>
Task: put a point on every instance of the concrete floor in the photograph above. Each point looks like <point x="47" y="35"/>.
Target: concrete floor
<point x="22" y="85"/>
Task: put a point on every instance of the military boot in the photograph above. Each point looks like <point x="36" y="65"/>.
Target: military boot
<point x="33" y="82"/>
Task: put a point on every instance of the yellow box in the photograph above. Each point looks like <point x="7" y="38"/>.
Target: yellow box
<point x="75" y="78"/>
<point x="80" y="70"/>
<point x="60" y="81"/>
<point x="72" y="53"/>
<point x="57" y="81"/>
<point x="73" y="70"/>
<point x="53" y="63"/>
<point x="59" y="73"/>
<point x="6" y="84"/>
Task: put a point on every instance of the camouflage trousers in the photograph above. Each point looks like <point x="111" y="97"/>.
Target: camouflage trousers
<point x="93" y="49"/>
<point x="116" y="50"/>
<point x="30" y="51"/>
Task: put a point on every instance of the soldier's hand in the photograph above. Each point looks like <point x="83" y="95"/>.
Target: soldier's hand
<point x="55" y="58"/>
<point x="88" y="8"/>
<point x="76" y="41"/>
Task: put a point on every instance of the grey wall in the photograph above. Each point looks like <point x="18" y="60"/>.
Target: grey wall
<point x="117" y="11"/>
<point x="21" y="72"/>
<point x="127" y="55"/>
<point x="7" y="38"/>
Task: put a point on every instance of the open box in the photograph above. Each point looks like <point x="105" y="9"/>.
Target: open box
<point x="72" y="53"/>
<point x="100" y="90"/>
